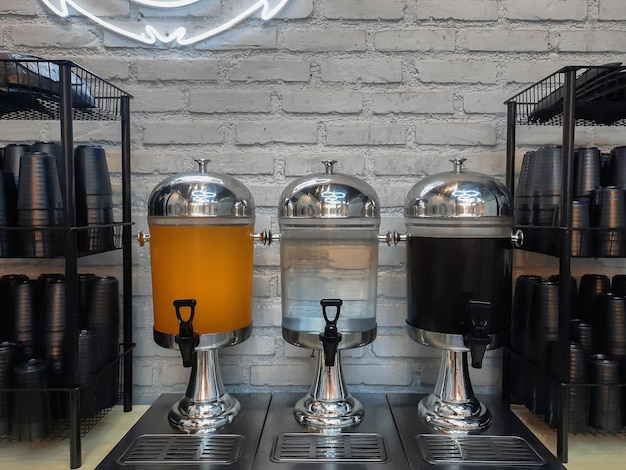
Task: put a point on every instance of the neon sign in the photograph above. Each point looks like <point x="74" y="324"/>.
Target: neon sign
<point x="151" y="34"/>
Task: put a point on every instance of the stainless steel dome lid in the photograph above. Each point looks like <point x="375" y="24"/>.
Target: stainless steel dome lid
<point x="210" y="197"/>
<point x="459" y="198"/>
<point x="329" y="198"/>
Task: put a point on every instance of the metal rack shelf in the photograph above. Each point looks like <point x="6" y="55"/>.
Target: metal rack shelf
<point x="573" y="96"/>
<point x="60" y="90"/>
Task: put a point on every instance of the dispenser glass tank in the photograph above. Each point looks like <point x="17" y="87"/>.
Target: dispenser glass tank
<point x="329" y="226"/>
<point x="459" y="259"/>
<point x="201" y="250"/>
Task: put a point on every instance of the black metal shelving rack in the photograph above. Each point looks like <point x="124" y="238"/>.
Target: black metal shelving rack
<point x="573" y="96"/>
<point x="60" y="90"/>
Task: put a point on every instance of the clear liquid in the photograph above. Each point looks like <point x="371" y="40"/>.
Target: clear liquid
<point x="314" y="269"/>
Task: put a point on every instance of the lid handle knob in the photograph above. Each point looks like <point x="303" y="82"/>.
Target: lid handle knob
<point x="202" y="163"/>
<point x="329" y="166"/>
<point x="458" y="164"/>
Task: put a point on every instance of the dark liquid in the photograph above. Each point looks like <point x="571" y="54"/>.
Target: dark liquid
<point x="444" y="274"/>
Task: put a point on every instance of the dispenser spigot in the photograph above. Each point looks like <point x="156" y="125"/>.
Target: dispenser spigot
<point x="477" y="340"/>
<point x="331" y="337"/>
<point x="187" y="339"/>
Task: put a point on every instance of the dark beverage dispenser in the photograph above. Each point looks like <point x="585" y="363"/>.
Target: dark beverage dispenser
<point x="459" y="254"/>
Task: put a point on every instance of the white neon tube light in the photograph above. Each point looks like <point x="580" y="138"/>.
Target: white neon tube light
<point x="151" y="35"/>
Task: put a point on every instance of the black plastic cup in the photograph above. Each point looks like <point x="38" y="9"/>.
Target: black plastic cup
<point x="611" y="326"/>
<point x="604" y="402"/>
<point x="8" y="356"/>
<point x="23" y="308"/>
<point x="523" y="195"/>
<point x="608" y="212"/>
<point x="88" y="363"/>
<point x="581" y="239"/>
<point x="91" y="171"/>
<point x="84" y="288"/>
<point x="618" y="284"/>
<point x="546" y="186"/>
<point x="520" y="314"/>
<point x="587" y="169"/>
<point x="583" y="333"/>
<point x="543" y="323"/>
<point x="11" y="157"/>
<point x="32" y="418"/>
<point x="103" y="310"/>
<point x="39" y="186"/>
<point x="592" y="287"/>
<point x="54" y="303"/>
<point x="578" y="396"/>
<point x="8" y="214"/>
<point x="55" y="150"/>
<point x="616" y="174"/>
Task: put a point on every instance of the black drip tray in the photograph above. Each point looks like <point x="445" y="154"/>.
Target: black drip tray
<point x="182" y="449"/>
<point x="344" y="447"/>
<point x="477" y="450"/>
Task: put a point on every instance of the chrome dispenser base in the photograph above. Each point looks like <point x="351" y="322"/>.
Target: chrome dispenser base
<point x="452" y="407"/>
<point x="206" y="406"/>
<point x="328" y="406"/>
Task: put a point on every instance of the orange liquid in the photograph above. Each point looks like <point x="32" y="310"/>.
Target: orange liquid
<point x="211" y="264"/>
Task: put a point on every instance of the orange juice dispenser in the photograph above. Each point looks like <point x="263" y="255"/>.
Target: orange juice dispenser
<point x="201" y="248"/>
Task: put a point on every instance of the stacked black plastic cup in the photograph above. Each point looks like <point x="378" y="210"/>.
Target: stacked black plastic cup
<point x="22" y="307"/>
<point x="581" y="238"/>
<point x="8" y="214"/>
<point x="611" y="336"/>
<point x="604" y="401"/>
<point x="6" y="319"/>
<point x="40" y="205"/>
<point x="607" y="211"/>
<point x="546" y="186"/>
<point x="587" y="170"/>
<point x="103" y="318"/>
<point x="523" y="200"/>
<point x="574" y="313"/>
<point x="546" y="197"/>
<point x="54" y="326"/>
<point x="592" y="287"/>
<point x="616" y="174"/>
<point x="578" y="396"/>
<point x="84" y="290"/>
<point x="94" y="198"/>
<point x="31" y="420"/>
<point x="88" y="363"/>
<point x="519" y="333"/>
<point x="55" y="150"/>
<point x="12" y="155"/>
<point x="542" y="336"/>
<point x="8" y="356"/>
<point x="618" y="284"/>
<point x="583" y="333"/>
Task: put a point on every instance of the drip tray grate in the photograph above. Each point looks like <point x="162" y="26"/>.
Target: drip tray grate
<point x="484" y="450"/>
<point x="181" y="449"/>
<point x="345" y="447"/>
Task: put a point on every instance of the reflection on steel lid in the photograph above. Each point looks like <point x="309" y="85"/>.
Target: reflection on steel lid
<point x="201" y="194"/>
<point x="458" y="193"/>
<point x="329" y="195"/>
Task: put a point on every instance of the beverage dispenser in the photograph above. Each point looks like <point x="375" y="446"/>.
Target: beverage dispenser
<point x="201" y="248"/>
<point x="329" y="226"/>
<point x="459" y="256"/>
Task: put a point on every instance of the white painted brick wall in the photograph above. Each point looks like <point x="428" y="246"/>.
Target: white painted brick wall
<point x="392" y="89"/>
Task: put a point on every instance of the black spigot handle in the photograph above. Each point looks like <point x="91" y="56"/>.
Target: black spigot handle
<point x="331" y="337"/>
<point x="478" y="340"/>
<point x="187" y="339"/>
